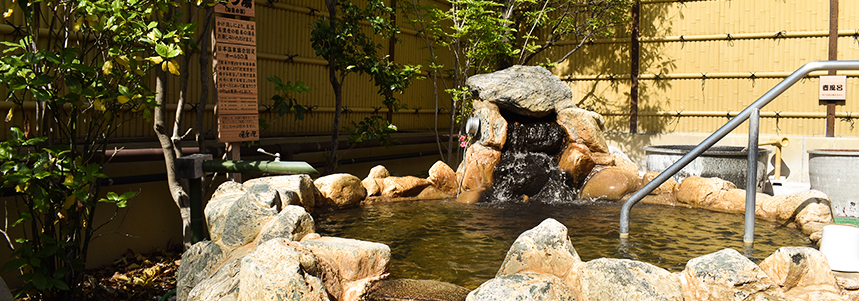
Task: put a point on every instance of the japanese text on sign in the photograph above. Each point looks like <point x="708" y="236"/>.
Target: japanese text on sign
<point x="235" y="31"/>
<point x="237" y="7"/>
<point x="833" y="87"/>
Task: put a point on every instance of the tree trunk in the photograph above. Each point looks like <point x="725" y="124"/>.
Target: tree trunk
<point x="177" y="191"/>
<point x="337" y="85"/>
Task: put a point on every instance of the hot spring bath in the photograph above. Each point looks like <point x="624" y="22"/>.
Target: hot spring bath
<point x="465" y="244"/>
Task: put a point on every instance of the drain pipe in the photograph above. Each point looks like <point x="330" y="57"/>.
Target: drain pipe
<point x="724" y="131"/>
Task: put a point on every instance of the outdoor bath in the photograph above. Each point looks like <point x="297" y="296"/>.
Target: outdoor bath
<point x="530" y="212"/>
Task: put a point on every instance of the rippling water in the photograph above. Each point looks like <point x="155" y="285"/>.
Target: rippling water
<point x="465" y="244"/>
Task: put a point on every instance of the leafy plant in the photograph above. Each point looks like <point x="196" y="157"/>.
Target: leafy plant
<point x="341" y="39"/>
<point x="82" y="65"/>
<point x="284" y="102"/>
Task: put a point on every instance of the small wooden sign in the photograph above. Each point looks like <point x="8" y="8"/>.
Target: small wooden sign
<point x="238" y="128"/>
<point x="833" y="87"/>
<point x="235" y="70"/>
<point x="237" y="7"/>
<point x="235" y="31"/>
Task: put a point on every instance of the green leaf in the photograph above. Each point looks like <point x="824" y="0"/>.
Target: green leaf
<point x="162" y="50"/>
<point x="41" y="80"/>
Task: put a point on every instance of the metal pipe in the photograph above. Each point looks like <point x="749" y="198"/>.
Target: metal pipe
<point x="271" y="167"/>
<point x="725" y="130"/>
<point x="712" y="75"/>
<point x="751" y="177"/>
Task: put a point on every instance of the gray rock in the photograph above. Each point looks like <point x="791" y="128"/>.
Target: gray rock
<point x="197" y="264"/>
<point x="220" y="202"/>
<point x="223" y="285"/>
<point x="727" y="275"/>
<point x="543" y="249"/>
<point x="523" y="286"/>
<point x="245" y="218"/>
<point x="273" y="272"/>
<point x="292" y="223"/>
<point x="622" y="279"/>
<point x="341" y="190"/>
<point x="524" y="90"/>
<point x="493" y="127"/>
<point x="293" y="189"/>
<point x="411" y="289"/>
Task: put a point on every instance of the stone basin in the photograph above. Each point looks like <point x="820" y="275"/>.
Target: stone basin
<point x="724" y="162"/>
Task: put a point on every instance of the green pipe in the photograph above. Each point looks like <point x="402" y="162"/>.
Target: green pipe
<point x="271" y="167"/>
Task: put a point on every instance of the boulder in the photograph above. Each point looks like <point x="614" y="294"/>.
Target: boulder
<point x="218" y="205"/>
<point x="576" y="162"/>
<point x="544" y="249"/>
<point x="476" y="169"/>
<point x="666" y="187"/>
<point x="411" y="289"/>
<point x="371" y="182"/>
<point x="523" y="286"/>
<point x="584" y="127"/>
<point x="236" y="222"/>
<point x="341" y="190"/>
<point x="292" y="223"/>
<point x="443" y="177"/>
<point x="802" y="273"/>
<point x="273" y="272"/>
<point x="223" y="284"/>
<point x="356" y="263"/>
<point x="792" y="205"/>
<point x="727" y="275"/>
<point x="408" y="186"/>
<point x="524" y="90"/>
<point x="623" y="279"/>
<point x="609" y="184"/>
<point x="734" y="201"/>
<point x="197" y="264"/>
<point x="701" y="192"/>
<point x="293" y="189"/>
<point x="493" y="127"/>
<point x="622" y="161"/>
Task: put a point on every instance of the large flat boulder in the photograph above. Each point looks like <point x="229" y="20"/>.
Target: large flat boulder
<point x="524" y="90"/>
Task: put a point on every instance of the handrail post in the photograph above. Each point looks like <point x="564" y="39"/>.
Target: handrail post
<point x="752" y="177"/>
<point x="724" y="131"/>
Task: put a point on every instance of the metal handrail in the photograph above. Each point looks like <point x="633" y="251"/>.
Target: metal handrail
<point x="724" y="131"/>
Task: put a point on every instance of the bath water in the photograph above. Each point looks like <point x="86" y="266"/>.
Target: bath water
<point x="466" y="244"/>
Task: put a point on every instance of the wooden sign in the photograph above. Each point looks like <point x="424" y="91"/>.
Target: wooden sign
<point x="833" y="87"/>
<point x="237" y="7"/>
<point x="238" y="128"/>
<point x="235" y="70"/>
<point x="235" y="31"/>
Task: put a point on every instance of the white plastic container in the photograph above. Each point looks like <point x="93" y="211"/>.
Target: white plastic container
<point x="840" y="244"/>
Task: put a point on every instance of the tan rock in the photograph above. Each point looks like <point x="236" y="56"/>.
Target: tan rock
<point x="623" y="162"/>
<point x="493" y="127"/>
<point x="371" y="182"/>
<point x="544" y="249"/>
<point x="727" y="275"/>
<point x="734" y="201"/>
<point x="443" y="177"/>
<point x="293" y="189"/>
<point x="623" y="279"/>
<point x="610" y="183"/>
<point x="395" y="187"/>
<point x="584" y="127"/>
<point x="341" y="190"/>
<point x="664" y="199"/>
<point x="701" y="192"/>
<point x="576" y="161"/>
<point x="802" y="273"/>
<point x="792" y="205"/>
<point x="477" y="167"/>
<point x="604" y="159"/>
<point x="667" y="187"/>
<point x="470" y="196"/>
